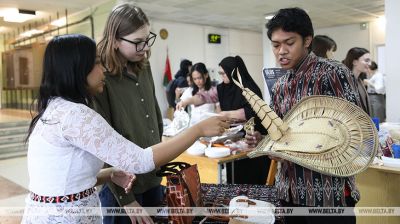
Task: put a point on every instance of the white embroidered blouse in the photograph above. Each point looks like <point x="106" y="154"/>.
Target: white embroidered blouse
<point x="68" y="146"/>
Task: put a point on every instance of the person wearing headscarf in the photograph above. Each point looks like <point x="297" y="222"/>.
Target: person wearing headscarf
<point x="234" y="105"/>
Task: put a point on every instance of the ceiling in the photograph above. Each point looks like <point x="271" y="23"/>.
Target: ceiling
<point x="239" y="14"/>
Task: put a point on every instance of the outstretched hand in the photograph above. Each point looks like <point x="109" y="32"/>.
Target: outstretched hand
<point x="213" y="126"/>
<point x="123" y="179"/>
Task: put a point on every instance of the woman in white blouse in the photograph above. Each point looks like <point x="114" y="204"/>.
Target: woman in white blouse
<point x="69" y="142"/>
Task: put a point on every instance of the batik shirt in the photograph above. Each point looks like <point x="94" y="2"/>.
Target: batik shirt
<point x="313" y="76"/>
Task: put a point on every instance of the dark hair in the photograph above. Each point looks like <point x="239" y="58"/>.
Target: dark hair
<point x="354" y="54"/>
<point x="322" y="44"/>
<point x="201" y="68"/>
<point x="68" y="60"/>
<point x="291" y="20"/>
<point x="373" y="66"/>
<point x="231" y="65"/>
<point x="184" y="66"/>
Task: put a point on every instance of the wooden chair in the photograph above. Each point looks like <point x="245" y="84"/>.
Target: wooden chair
<point x="271" y="173"/>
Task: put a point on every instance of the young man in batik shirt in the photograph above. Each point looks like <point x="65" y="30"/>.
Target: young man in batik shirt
<point x="291" y="33"/>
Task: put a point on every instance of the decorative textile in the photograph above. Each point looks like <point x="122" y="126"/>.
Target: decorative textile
<point x="62" y="199"/>
<point x="183" y="188"/>
<point x="220" y="195"/>
<point x="313" y="76"/>
<point x="167" y="72"/>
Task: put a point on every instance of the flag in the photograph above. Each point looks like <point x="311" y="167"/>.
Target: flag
<point x="167" y="72"/>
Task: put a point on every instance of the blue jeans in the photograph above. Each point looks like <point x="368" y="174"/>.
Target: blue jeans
<point x="151" y="198"/>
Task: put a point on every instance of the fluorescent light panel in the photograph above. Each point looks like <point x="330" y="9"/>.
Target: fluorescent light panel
<point x="13" y="15"/>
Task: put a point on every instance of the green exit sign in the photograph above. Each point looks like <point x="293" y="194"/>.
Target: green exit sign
<point x="214" y="38"/>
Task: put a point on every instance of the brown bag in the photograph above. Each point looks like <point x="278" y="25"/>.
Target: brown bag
<point x="183" y="188"/>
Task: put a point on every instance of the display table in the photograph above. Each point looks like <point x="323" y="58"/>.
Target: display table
<point x="210" y="169"/>
<point x="379" y="187"/>
<point x="213" y="193"/>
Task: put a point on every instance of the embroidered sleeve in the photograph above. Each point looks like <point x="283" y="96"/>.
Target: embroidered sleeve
<point x="87" y="130"/>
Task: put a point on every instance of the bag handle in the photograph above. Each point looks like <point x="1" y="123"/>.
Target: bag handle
<point x="172" y="168"/>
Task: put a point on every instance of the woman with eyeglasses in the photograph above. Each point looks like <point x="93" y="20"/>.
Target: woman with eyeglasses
<point x="358" y="61"/>
<point x="68" y="142"/>
<point x="129" y="103"/>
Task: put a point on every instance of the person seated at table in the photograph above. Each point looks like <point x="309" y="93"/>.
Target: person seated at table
<point x="203" y="98"/>
<point x="235" y="106"/>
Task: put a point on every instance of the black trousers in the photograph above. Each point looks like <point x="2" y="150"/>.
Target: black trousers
<point x="320" y="219"/>
<point x="249" y="171"/>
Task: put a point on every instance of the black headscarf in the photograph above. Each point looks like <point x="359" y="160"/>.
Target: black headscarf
<point x="230" y="96"/>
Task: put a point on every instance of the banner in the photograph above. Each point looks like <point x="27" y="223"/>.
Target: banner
<point x="167" y="72"/>
<point x="200" y="211"/>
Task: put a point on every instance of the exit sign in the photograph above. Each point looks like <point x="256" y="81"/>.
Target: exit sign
<point x="214" y="38"/>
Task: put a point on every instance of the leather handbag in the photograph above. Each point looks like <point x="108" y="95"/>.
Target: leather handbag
<point x="183" y="188"/>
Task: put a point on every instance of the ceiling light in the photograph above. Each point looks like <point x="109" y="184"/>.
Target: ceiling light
<point x="59" y="22"/>
<point x="3" y="29"/>
<point x="382" y="21"/>
<point x="17" y="16"/>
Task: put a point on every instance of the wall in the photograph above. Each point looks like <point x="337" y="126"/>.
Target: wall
<point x="190" y="41"/>
<point x="392" y="62"/>
<point x="346" y="37"/>
<point x="2" y="77"/>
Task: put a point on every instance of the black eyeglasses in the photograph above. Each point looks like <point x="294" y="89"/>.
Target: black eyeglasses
<point x="140" y="45"/>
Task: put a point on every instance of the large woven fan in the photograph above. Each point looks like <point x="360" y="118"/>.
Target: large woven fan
<point x="326" y="134"/>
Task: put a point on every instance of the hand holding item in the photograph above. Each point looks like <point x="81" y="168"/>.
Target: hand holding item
<point x="123" y="179"/>
<point x="253" y="138"/>
<point x="181" y="105"/>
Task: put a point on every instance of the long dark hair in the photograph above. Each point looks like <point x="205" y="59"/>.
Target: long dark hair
<point x="200" y="68"/>
<point x="354" y="54"/>
<point x="68" y="60"/>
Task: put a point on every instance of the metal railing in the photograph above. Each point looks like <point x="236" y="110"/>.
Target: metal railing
<point x="18" y="98"/>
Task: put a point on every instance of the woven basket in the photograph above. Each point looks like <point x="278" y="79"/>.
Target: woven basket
<point x="326" y="134"/>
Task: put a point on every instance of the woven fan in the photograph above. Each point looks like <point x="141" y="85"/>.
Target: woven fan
<point x="326" y="134"/>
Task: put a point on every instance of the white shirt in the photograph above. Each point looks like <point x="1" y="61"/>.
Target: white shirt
<point x="376" y="84"/>
<point x="198" y="113"/>
<point x="68" y="146"/>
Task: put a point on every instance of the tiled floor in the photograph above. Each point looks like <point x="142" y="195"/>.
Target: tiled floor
<point x="13" y="172"/>
<point x="7" y="115"/>
<point x="13" y="185"/>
